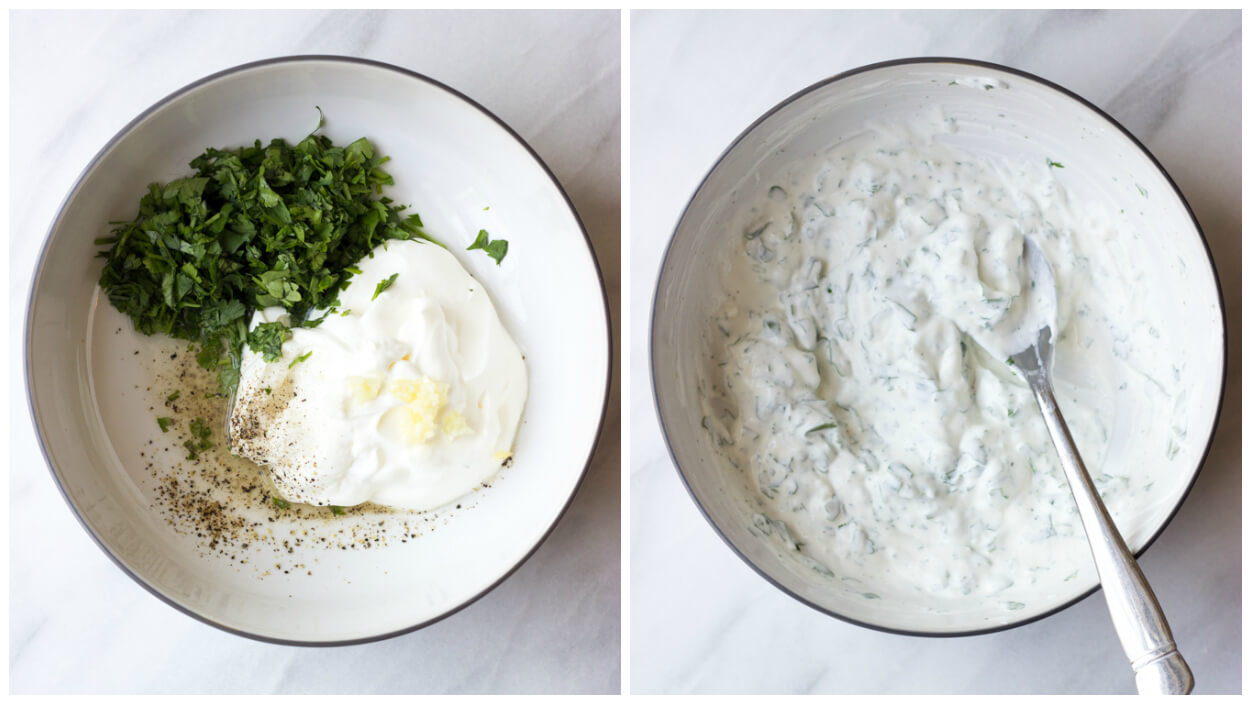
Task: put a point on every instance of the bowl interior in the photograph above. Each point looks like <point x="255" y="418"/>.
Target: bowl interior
<point x="462" y="171"/>
<point x="1000" y="114"/>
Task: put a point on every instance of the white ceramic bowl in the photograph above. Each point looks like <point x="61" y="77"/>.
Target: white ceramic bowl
<point x="1032" y="119"/>
<point x="451" y="159"/>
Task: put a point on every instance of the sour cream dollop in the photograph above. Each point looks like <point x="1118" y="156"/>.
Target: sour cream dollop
<point x="409" y="396"/>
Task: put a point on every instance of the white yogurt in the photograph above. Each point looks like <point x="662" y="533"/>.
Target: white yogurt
<point x="409" y="397"/>
<point x="892" y="452"/>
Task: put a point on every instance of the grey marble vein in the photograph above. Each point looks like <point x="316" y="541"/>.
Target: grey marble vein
<point x="1162" y="82"/>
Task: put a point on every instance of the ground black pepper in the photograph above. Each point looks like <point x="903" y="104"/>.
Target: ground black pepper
<point x="227" y="502"/>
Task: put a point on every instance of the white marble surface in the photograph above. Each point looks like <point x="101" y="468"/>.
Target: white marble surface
<point x="701" y="620"/>
<point x="77" y="623"/>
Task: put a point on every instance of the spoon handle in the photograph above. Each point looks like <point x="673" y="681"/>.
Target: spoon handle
<point x="1136" y="615"/>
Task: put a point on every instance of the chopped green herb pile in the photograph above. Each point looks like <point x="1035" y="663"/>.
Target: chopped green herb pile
<point x="253" y="227"/>
<point x="495" y="249"/>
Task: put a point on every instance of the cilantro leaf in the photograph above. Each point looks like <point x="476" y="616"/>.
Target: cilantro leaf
<point x="384" y="285"/>
<point x="164" y="422"/>
<point x="495" y="249"/>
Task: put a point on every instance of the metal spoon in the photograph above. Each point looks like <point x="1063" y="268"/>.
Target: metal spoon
<point x="1136" y="615"/>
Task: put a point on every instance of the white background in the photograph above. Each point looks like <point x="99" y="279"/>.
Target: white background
<point x="701" y="620"/>
<point x="77" y="623"/>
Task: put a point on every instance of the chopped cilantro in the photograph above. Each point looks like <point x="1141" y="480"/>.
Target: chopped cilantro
<point x="200" y="429"/>
<point x="495" y="249"/>
<point x="173" y="397"/>
<point x="267" y="339"/>
<point x="1056" y="164"/>
<point x="253" y="226"/>
<point x="281" y="503"/>
<point x="164" y="422"/>
<point x="384" y="285"/>
<point x="336" y="510"/>
<point x="199" y="442"/>
<point x="299" y="359"/>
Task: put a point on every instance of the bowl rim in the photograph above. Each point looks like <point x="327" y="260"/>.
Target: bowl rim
<point x="1063" y="93"/>
<point x="126" y="130"/>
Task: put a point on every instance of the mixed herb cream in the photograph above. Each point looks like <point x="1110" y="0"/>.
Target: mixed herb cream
<point x="886" y="448"/>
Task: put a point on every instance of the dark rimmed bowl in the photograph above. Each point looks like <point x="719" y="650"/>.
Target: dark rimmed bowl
<point x="462" y="169"/>
<point x="1033" y="119"/>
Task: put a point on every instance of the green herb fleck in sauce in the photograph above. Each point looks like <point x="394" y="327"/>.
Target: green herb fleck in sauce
<point x="495" y="249"/>
<point x="384" y="285"/>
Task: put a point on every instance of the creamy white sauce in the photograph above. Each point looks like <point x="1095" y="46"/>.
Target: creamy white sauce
<point x="892" y="452"/>
<point x="409" y="399"/>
